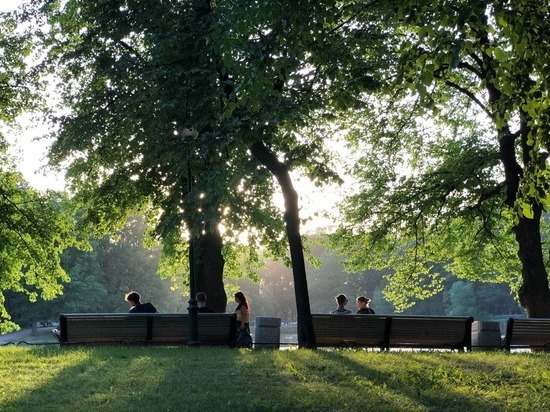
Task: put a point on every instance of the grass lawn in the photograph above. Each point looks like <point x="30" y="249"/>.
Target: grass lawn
<point x="50" y="378"/>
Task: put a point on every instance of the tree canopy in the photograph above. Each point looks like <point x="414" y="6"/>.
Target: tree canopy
<point x="187" y="110"/>
<point x="137" y="77"/>
<point x="101" y="277"/>
<point x="34" y="227"/>
<point x="456" y="170"/>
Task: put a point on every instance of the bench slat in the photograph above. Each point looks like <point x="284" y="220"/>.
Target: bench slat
<point x="392" y="331"/>
<point x="334" y="330"/>
<point x="525" y="333"/>
<point x="431" y="332"/>
<point x="145" y="328"/>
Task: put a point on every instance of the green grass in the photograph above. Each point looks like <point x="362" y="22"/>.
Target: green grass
<point x="50" y="378"/>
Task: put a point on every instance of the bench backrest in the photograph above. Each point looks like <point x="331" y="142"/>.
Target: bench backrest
<point x="386" y="331"/>
<point x="528" y="333"/>
<point x="350" y="330"/>
<point x="431" y="332"/>
<point x="145" y="328"/>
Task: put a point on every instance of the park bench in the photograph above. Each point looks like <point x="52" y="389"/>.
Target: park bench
<point x="527" y="333"/>
<point x="393" y="331"/>
<point x="351" y="330"/>
<point x="144" y="328"/>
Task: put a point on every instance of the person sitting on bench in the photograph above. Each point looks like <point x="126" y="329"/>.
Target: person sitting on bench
<point x="342" y="301"/>
<point x="201" y="303"/>
<point x="134" y="299"/>
<point x="363" y="306"/>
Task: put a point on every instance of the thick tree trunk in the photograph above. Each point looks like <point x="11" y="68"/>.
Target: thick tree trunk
<point x="306" y="335"/>
<point x="210" y="266"/>
<point x="534" y="293"/>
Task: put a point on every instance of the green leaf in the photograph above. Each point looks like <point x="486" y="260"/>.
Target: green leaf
<point x="527" y="210"/>
<point x="421" y="89"/>
<point x="501" y="20"/>
<point x="499" y="53"/>
<point x="427" y="78"/>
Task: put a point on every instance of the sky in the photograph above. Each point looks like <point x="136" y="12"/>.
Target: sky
<point x="7" y="5"/>
<point x="29" y="152"/>
<point x="30" y="155"/>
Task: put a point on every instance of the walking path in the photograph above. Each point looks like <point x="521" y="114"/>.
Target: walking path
<point x="41" y="336"/>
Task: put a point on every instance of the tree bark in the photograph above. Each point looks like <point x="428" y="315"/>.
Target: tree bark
<point x="210" y="266"/>
<point x="534" y="293"/>
<point x="306" y="335"/>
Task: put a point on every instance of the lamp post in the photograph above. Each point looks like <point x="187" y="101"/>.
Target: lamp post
<point x="187" y="133"/>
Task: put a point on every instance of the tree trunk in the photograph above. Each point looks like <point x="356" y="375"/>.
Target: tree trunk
<point x="306" y="335"/>
<point x="534" y="293"/>
<point x="210" y="266"/>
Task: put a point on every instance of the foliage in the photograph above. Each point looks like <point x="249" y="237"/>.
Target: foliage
<point x="273" y="295"/>
<point x="480" y="300"/>
<point x="99" y="278"/>
<point x="162" y="120"/>
<point x="432" y="214"/>
<point x="40" y="379"/>
<point x="125" y="264"/>
<point x="18" y="83"/>
<point x="35" y="229"/>
<point x="134" y="76"/>
<point x="451" y="152"/>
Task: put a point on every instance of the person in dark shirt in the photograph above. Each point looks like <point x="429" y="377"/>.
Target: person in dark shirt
<point x="363" y="306"/>
<point x="201" y="303"/>
<point x="134" y="299"/>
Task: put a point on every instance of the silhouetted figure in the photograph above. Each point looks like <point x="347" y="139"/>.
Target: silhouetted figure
<point x="243" y="311"/>
<point x="342" y="301"/>
<point x="363" y="306"/>
<point x="134" y="299"/>
<point x="201" y="303"/>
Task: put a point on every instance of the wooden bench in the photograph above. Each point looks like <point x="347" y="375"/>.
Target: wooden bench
<point x="351" y="330"/>
<point x="393" y="331"/>
<point x="527" y="333"/>
<point x="144" y="328"/>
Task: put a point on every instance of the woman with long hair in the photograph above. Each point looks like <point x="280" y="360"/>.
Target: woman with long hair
<point x="243" y="311"/>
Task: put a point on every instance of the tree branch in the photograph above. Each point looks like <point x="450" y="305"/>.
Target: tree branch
<point x="472" y="96"/>
<point x="130" y="48"/>
<point x="468" y="66"/>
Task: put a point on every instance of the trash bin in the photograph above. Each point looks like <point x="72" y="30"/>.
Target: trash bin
<point x="486" y="336"/>
<point x="267" y="333"/>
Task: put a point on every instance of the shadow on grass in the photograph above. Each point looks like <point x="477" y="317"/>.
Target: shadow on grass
<point x="148" y="379"/>
<point x="105" y="379"/>
<point x="414" y="384"/>
<point x="220" y="379"/>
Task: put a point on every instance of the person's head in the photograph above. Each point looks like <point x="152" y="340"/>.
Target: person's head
<point x="201" y="299"/>
<point x="241" y="299"/>
<point x="341" y="300"/>
<point x="362" y="302"/>
<point x="133" y="298"/>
